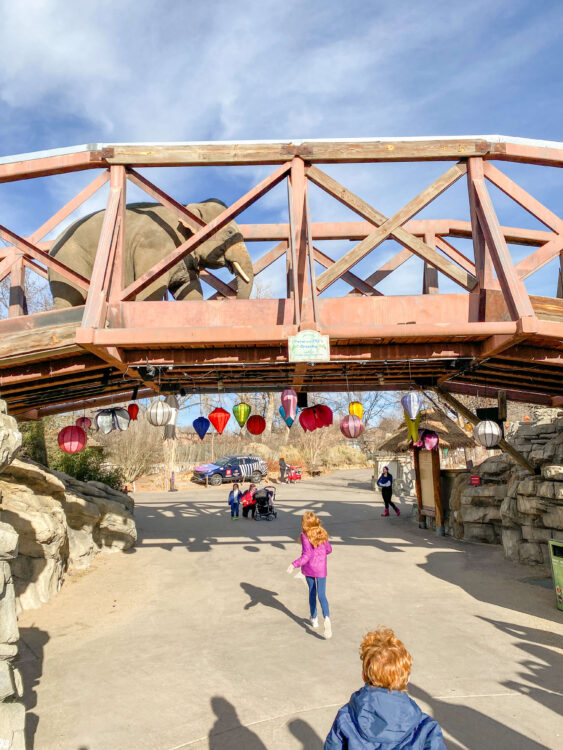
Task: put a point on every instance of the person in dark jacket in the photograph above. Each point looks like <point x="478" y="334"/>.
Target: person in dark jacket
<point x="283" y="469"/>
<point x="381" y="716"/>
<point x="385" y="483"/>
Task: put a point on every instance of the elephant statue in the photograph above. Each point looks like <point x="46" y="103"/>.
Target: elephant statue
<point x="151" y="233"/>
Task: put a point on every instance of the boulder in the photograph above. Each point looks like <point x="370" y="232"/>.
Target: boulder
<point x="511" y="540"/>
<point x="554" y="517"/>
<point x="479" y="532"/>
<point x="552" y="471"/>
<point x="8" y="621"/>
<point x="530" y="553"/>
<point x="8" y="542"/>
<point x="10" y="437"/>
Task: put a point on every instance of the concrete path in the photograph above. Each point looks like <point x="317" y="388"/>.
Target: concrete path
<point x="198" y="638"/>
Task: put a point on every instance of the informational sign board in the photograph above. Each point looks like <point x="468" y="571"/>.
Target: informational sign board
<point x="556" y="554"/>
<point x="427" y="482"/>
<point x="309" y="346"/>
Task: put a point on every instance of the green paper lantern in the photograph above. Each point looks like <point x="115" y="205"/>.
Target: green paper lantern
<point x="241" y="412"/>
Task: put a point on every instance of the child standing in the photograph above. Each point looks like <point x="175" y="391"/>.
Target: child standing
<point x="381" y="714"/>
<point x="385" y="483"/>
<point x="234" y="501"/>
<point x="314" y="549"/>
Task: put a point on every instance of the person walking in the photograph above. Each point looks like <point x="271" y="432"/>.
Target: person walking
<point x="314" y="549"/>
<point x="234" y="501"/>
<point x="381" y="714"/>
<point x="283" y="469"/>
<point x="385" y="483"/>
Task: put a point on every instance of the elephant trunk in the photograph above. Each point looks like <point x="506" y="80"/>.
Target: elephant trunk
<point x="238" y="259"/>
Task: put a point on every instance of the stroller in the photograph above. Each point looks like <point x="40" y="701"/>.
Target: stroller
<point x="265" y="508"/>
<point x="293" y="474"/>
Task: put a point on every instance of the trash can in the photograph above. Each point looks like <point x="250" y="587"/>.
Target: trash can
<point x="556" y="555"/>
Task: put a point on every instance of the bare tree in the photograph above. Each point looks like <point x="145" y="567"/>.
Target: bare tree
<point x="135" y="451"/>
<point x="36" y="290"/>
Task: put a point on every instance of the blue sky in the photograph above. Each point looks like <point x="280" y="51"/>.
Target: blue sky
<point x="146" y="70"/>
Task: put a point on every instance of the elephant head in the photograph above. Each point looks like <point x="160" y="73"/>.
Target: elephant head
<point x="226" y="249"/>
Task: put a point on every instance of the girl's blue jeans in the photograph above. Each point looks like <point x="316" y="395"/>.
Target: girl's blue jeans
<point x="317" y="586"/>
<point x="234" y="509"/>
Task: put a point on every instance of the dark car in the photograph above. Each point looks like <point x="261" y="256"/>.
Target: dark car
<point x="232" y="469"/>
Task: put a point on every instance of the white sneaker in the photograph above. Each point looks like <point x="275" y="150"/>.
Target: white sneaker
<point x="328" y="628"/>
<point x="315" y="622"/>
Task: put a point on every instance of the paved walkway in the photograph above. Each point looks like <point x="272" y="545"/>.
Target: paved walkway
<point x="198" y="639"/>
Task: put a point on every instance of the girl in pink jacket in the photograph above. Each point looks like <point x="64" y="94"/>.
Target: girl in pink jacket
<point x="314" y="549"/>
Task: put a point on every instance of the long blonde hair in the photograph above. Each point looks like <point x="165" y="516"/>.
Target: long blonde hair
<point x="312" y="527"/>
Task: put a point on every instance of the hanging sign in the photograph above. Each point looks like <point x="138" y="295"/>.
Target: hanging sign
<point x="309" y="346"/>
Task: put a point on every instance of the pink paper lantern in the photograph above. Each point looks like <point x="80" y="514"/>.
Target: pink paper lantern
<point x="72" y="439"/>
<point x="84" y="423"/>
<point x="308" y="419"/>
<point x="429" y="439"/>
<point x="289" y="402"/>
<point x="351" y="426"/>
<point x="323" y="415"/>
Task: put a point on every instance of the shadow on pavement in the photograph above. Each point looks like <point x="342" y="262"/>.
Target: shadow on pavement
<point x="30" y="663"/>
<point x="267" y="598"/>
<point x="228" y="733"/>
<point x="542" y="666"/>
<point x="472" y="728"/>
<point x="306" y="735"/>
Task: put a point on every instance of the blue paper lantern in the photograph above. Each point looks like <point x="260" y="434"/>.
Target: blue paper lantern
<point x="288" y="420"/>
<point x="201" y="425"/>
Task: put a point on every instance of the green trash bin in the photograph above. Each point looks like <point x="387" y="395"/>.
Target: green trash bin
<point x="556" y="554"/>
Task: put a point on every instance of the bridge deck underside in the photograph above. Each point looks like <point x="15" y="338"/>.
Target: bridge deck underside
<point x="49" y="364"/>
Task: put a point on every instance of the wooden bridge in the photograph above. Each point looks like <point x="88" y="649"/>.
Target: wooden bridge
<point x="491" y="335"/>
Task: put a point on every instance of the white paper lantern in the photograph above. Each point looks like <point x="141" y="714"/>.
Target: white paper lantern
<point x="121" y="419"/>
<point x="159" y="413"/>
<point x="487" y="433"/>
<point x="412" y="403"/>
<point x="104" y="421"/>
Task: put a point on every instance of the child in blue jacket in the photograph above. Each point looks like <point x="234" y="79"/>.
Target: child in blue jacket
<point x="234" y="501"/>
<point x="381" y="715"/>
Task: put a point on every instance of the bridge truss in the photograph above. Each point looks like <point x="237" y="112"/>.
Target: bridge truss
<point x="491" y="335"/>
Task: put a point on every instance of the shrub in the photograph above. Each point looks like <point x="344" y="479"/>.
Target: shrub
<point x="88" y="465"/>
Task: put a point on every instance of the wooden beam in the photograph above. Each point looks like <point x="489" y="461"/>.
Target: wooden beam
<point x="34" y="266"/>
<point x="28" y="249"/>
<point x="512" y="286"/>
<point x="417" y="246"/>
<point x="298" y="221"/>
<point x="260" y="265"/>
<point x="387" y="226"/>
<point x="186" y="217"/>
<point x="359" y="285"/>
<point x="7" y="263"/>
<point x="454" y="254"/>
<point x="503" y="445"/>
<point x="539" y="258"/>
<point x="430" y="274"/>
<point x="18" y="301"/>
<point x="205" y="232"/>
<point x="114" y="280"/>
<point x="481" y="250"/>
<point x="69" y="208"/>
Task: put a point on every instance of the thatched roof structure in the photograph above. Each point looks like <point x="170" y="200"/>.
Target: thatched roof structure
<point x="451" y="436"/>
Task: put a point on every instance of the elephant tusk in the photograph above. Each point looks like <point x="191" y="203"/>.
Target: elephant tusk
<point x="240" y="272"/>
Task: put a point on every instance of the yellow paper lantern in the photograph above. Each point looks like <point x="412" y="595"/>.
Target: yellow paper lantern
<point x="356" y="409"/>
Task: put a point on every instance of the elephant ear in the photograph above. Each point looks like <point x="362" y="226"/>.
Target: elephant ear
<point x="186" y="228"/>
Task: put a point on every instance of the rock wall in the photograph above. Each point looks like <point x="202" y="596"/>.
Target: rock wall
<point x="61" y="523"/>
<point x="513" y="507"/>
<point x="12" y="711"/>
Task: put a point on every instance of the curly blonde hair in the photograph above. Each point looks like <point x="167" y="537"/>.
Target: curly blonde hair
<point x="386" y="662"/>
<point x="312" y="528"/>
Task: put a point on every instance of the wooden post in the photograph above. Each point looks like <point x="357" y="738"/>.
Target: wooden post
<point x="430" y="274"/>
<point x="299" y="240"/>
<point x="438" y="493"/>
<point x="18" y="301"/>
<point x="421" y="517"/>
<point x="483" y="262"/>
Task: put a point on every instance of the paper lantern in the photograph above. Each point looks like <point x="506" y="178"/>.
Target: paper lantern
<point x="72" y="439"/>
<point x="133" y="411"/>
<point x="158" y="413"/>
<point x="308" y="420"/>
<point x="201" y="425"/>
<point x="323" y="415"/>
<point x="241" y="412"/>
<point x="84" y="423"/>
<point x="412" y="403"/>
<point x="288" y="420"/>
<point x="219" y="418"/>
<point x="103" y="421"/>
<point x="351" y="426"/>
<point x="412" y="428"/>
<point x="356" y="409"/>
<point x="256" y="424"/>
<point x="429" y="439"/>
<point x="121" y="419"/>
<point x="487" y="433"/>
<point x="289" y="402"/>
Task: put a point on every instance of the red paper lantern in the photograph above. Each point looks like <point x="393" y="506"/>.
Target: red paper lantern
<point x="84" y="423"/>
<point x="351" y="426"/>
<point x="308" y="419"/>
<point x="72" y="439"/>
<point x="323" y="415"/>
<point x="256" y="424"/>
<point x="133" y="410"/>
<point x="219" y="418"/>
